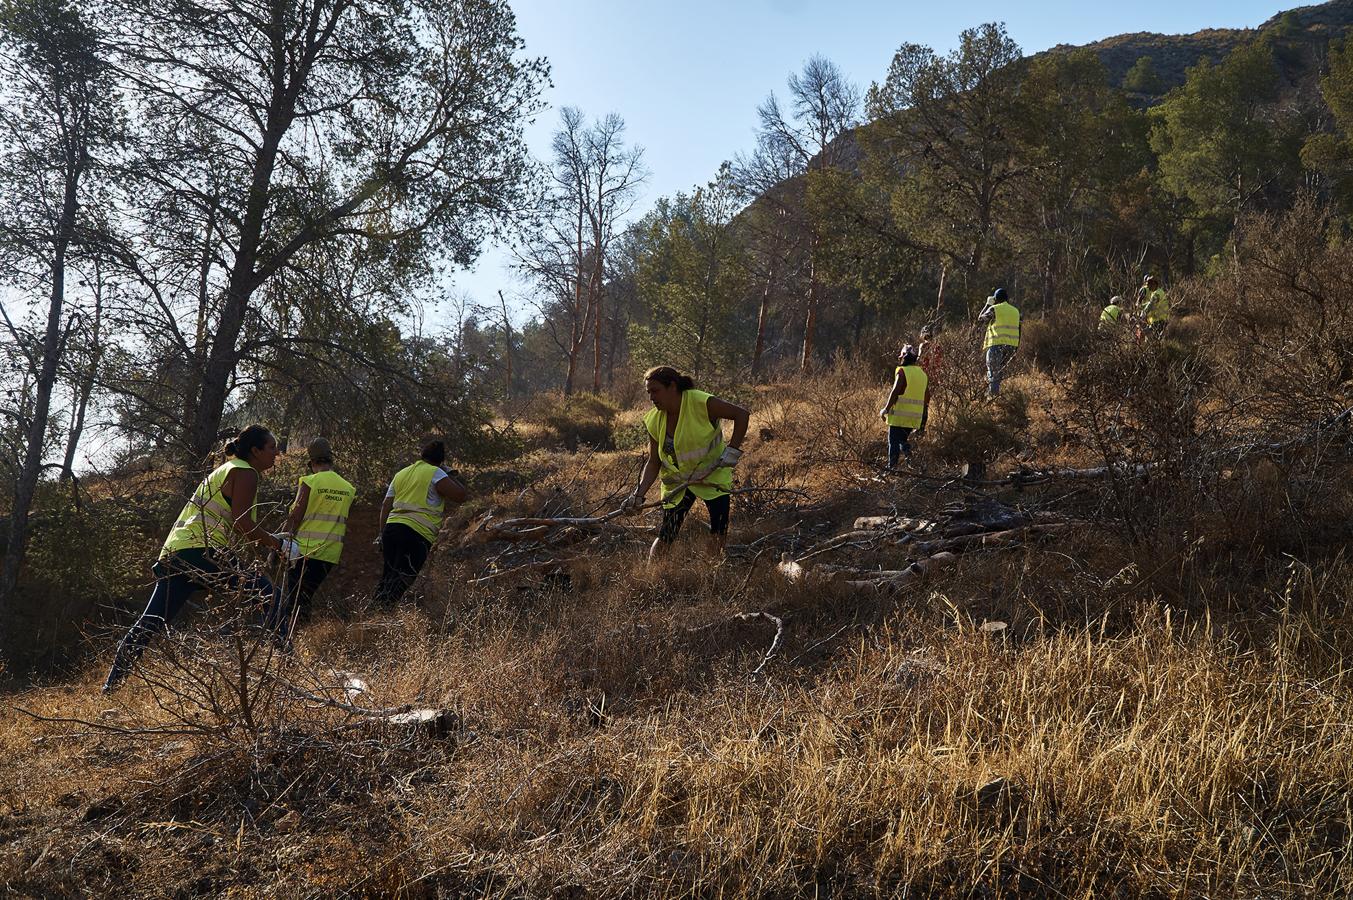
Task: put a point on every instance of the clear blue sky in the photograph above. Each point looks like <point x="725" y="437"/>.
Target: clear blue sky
<point x="687" y="77"/>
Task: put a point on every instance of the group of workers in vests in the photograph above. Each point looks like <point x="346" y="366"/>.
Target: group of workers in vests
<point x="206" y="549"/>
<point x="687" y="455"/>
<point x="1152" y="313"/>
<point x="907" y="407"/>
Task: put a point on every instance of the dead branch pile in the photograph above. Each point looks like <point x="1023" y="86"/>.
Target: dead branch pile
<point x="912" y="548"/>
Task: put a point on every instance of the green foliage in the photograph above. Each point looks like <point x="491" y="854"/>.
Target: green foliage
<point x="1220" y="143"/>
<point x="943" y="141"/>
<point x="1142" y="78"/>
<point x="860" y="245"/>
<point x="691" y="282"/>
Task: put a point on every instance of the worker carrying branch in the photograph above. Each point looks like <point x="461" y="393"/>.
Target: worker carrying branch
<point x="1001" y="339"/>
<point x="686" y="450"/>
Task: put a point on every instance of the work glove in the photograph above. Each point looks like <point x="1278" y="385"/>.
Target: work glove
<point x="730" y="457"/>
<point x="883" y="414"/>
<point x="291" y="549"/>
<point x="632" y="503"/>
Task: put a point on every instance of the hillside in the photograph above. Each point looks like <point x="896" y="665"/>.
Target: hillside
<point x="1173" y="54"/>
<point x="1109" y="660"/>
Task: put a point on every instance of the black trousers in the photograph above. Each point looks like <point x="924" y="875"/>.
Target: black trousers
<point x="672" y="518"/>
<point x="303" y="579"/>
<point x="178" y="576"/>
<point x="404" y="551"/>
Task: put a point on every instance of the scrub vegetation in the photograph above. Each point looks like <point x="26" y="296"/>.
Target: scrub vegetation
<point x="1091" y="640"/>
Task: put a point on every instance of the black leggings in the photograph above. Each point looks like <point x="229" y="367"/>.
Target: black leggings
<point x="304" y="578"/>
<point x="672" y="518"/>
<point x="404" y="551"/>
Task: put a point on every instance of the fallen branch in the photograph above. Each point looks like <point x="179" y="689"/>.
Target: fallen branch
<point x="779" y="624"/>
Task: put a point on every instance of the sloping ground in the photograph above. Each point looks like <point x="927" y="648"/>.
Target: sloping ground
<point x="1151" y="719"/>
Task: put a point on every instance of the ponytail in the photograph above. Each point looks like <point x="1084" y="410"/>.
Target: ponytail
<point x="669" y="375"/>
<point x="250" y="439"/>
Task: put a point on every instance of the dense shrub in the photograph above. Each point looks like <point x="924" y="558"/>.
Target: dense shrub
<point x="577" y="420"/>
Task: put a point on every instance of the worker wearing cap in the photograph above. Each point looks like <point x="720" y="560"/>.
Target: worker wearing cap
<point x="1001" y="339"/>
<point x="905" y="408"/>
<point x="319" y="523"/>
<point x="1111" y="319"/>
<point x="1155" y="304"/>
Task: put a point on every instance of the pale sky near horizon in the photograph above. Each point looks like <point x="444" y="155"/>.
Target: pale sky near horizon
<point x="687" y="77"/>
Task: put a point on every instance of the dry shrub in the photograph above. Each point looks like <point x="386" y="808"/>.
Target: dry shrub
<point x="1058" y="339"/>
<point x="577" y="420"/>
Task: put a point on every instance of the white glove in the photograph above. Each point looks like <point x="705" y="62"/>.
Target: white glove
<point x="632" y="503"/>
<point x="730" y="457"/>
<point x="291" y="549"/>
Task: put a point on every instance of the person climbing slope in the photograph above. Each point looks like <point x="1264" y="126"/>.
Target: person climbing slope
<point x="1001" y="339"/>
<point x="204" y="547"/>
<point x="319" y="522"/>
<point x="687" y="451"/>
<point x="410" y="516"/>
<point x="905" y="408"/>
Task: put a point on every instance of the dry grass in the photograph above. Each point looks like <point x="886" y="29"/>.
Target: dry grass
<point x="1152" y="721"/>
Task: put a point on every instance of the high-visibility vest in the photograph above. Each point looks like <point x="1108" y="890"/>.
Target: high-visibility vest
<point x="1003" y="330"/>
<point x="325" y="522"/>
<point x="1157" y="307"/>
<point x="205" y="521"/>
<point x="411" y="500"/>
<point x="1110" y="314"/>
<point x="907" y="410"/>
<point x="698" y="443"/>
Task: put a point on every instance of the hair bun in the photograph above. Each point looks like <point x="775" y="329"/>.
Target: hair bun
<point x="231" y="449"/>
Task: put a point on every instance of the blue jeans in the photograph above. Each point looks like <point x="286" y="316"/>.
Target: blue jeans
<point x="997" y="359"/>
<point x="897" y="443"/>
<point x="179" y="576"/>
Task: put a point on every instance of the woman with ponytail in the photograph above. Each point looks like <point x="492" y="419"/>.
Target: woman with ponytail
<point x="686" y="450"/>
<point x="200" y="552"/>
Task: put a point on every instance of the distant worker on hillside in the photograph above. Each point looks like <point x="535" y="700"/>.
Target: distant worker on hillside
<point x="319" y="523"/>
<point x="1153" y="304"/>
<point x="202" y="552"/>
<point x="410" y="517"/>
<point x="1111" y="319"/>
<point x="905" y="408"/>
<point x="686" y="450"/>
<point x="1002" y="337"/>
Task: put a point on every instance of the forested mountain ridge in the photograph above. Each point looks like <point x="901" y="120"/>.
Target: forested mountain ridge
<point x="1172" y="54"/>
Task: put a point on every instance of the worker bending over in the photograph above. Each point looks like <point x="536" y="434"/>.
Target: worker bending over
<point x="905" y="408"/>
<point x="202" y="552"/>
<point x="1002" y="337"/>
<point x="1111" y="319"/>
<point x="686" y="450"/>
<point x="414" y="506"/>
<point x="319" y="522"/>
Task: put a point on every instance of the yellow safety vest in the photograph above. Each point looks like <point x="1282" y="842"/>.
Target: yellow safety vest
<point x="1157" y="307"/>
<point x="326" y="516"/>
<point x="1003" y="330"/>
<point x="698" y="443"/>
<point x="907" y="410"/>
<point x="1110" y="314"/>
<point x="411" y="500"/>
<point x="205" y="521"/>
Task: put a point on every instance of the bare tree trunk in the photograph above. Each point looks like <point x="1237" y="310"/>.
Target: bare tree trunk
<point x="762" y="317"/>
<point x="507" y="352"/>
<point x="597" y="290"/>
<point x="939" y="295"/>
<point x="810" y="323"/>
<point x="86" y="387"/>
<point x="26" y="486"/>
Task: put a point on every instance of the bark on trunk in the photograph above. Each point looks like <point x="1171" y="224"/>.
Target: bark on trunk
<point x="26" y="485"/>
<point x="810" y="323"/>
